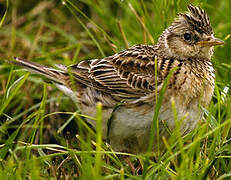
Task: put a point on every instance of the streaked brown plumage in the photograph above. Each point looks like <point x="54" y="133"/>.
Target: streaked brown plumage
<point x="130" y="76"/>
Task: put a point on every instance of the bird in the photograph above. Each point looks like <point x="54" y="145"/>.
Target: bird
<point x="128" y="83"/>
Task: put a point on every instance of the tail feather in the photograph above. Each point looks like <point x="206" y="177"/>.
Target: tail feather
<point x="50" y="73"/>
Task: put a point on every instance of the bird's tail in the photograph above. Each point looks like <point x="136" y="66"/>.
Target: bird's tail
<point x="50" y="73"/>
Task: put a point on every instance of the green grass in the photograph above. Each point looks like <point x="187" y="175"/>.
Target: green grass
<point x="42" y="133"/>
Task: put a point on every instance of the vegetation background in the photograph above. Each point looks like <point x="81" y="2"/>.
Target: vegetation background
<point x="43" y="136"/>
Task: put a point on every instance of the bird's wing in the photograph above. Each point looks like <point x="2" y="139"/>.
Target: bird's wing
<point x="128" y="74"/>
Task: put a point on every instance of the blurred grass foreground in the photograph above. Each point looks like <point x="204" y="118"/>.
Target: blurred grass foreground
<point x="42" y="134"/>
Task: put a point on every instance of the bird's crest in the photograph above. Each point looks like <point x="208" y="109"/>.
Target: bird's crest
<point x="197" y="18"/>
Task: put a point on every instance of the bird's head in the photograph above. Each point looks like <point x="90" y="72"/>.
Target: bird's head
<point x="190" y="35"/>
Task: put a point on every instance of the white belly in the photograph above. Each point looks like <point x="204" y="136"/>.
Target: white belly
<point x="129" y="130"/>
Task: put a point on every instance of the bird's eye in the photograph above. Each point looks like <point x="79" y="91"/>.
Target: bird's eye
<point x="187" y="36"/>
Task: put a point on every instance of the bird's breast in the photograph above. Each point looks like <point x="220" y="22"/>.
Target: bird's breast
<point x="193" y="88"/>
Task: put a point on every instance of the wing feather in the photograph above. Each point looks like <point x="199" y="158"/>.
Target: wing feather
<point x="128" y="74"/>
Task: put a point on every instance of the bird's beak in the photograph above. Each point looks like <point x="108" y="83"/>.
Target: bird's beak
<point x="210" y="42"/>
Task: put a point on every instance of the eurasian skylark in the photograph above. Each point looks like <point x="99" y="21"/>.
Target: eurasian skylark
<point x="129" y="76"/>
